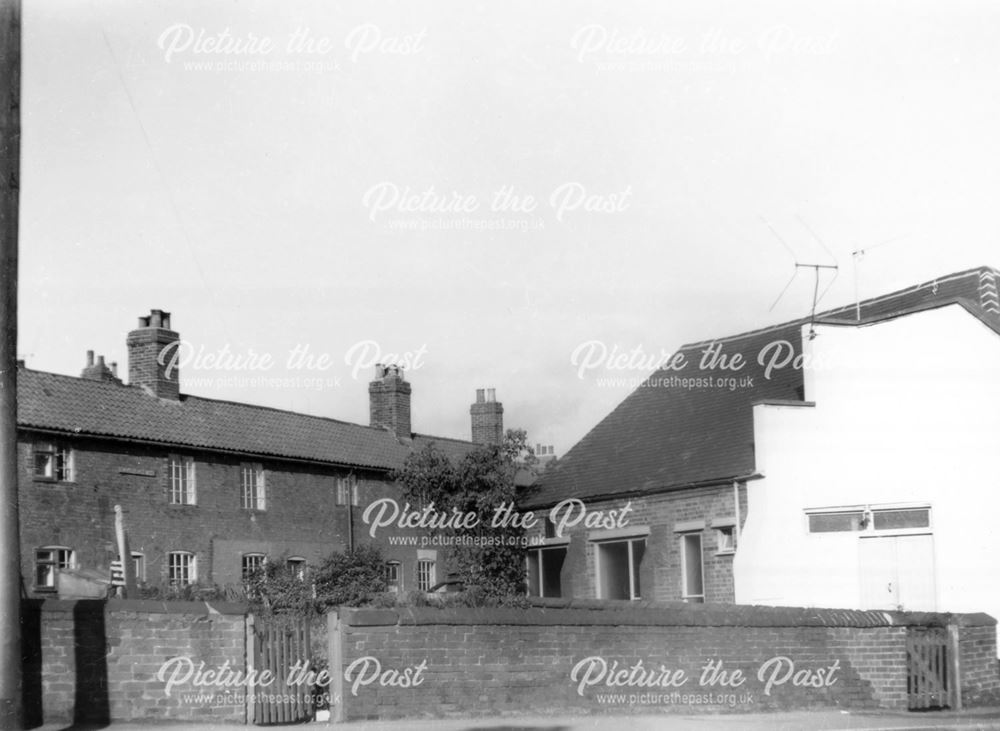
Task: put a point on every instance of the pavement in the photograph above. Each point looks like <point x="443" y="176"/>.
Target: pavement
<point x="820" y="720"/>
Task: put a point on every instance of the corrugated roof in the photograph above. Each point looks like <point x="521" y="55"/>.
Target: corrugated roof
<point x="669" y="434"/>
<point x="52" y="402"/>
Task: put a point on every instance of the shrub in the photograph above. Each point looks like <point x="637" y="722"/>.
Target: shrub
<point x="349" y="579"/>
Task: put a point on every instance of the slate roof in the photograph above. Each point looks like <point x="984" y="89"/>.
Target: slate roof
<point x="64" y="404"/>
<point x="667" y="436"/>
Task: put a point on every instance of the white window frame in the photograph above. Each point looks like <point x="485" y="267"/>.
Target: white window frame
<point x="183" y="485"/>
<point x="632" y="570"/>
<point x="297" y="565"/>
<point x="426" y="573"/>
<point x="59" y="465"/>
<point x="63" y="557"/>
<point x="139" y="566"/>
<point x="347" y="490"/>
<point x="253" y="486"/>
<point x="682" y="544"/>
<point x="725" y="533"/>
<point x="868" y="520"/>
<point x="540" y="550"/>
<point x="394" y="568"/>
<point x="250" y="562"/>
<point x="174" y="560"/>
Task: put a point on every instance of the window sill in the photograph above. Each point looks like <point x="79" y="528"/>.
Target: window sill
<point x="52" y="480"/>
<point x="727" y="552"/>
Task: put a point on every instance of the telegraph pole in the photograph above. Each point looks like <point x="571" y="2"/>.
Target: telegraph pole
<point x="11" y="715"/>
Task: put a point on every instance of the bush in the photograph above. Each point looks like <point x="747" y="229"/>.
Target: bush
<point x="343" y="579"/>
<point x="350" y="579"/>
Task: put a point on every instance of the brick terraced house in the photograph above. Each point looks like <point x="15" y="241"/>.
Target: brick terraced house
<point x="208" y="488"/>
<point x="850" y="462"/>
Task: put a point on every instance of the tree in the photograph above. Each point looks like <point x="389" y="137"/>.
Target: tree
<point x="487" y="558"/>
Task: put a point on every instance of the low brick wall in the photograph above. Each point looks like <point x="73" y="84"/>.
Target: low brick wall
<point x="93" y="661"/>
<point x="623" y="657"/>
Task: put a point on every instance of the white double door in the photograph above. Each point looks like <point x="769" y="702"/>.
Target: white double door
<point x="897" y="572"/>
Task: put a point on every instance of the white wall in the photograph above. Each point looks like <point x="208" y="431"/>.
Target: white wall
<point x="906" y="411"/>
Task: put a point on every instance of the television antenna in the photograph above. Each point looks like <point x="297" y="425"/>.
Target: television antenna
<point x="816" y="267"/>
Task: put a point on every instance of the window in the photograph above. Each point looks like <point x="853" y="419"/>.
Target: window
<point x="393" y="577"/>
<point x="869" y="519"/>
<point x="53" y="462"/>
<point x="544" y="571"/>
<point x="347" y="490"/>
<point x="182" y="484"/>
<point x="251" y="563"/>
<point x="253" y="486"/>
<point x="182" y="568"/>
<point x="900" y="518"/>
<point x="618" y="568"/>
<point x="692" y="569"/>
<point x="725" y="539"/>
<point x="550" y="527"/>
<point x="139" y="567"/>
<point x="48" y="561"/>
<point x="297" y="565"/>
<point x="426" y="574"/>
<point x="853" y="520"/>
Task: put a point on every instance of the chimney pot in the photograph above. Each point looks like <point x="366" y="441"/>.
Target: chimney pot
<point x="114" y="368"/>
<point x="100" y="361"/>
<point x="480" y="395"/>
<point x="90" y="358"/>
<point x="491" y="395"/>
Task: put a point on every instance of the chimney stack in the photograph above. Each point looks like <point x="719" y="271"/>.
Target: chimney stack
<point x="487" y="418"/>
<point x="99" y="371"/>
<point x="389" y="400"/>
<point x="150" y="343"/>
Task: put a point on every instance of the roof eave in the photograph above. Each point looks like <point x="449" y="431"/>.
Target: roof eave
<point x="652" y="489"/>
<point x="201" y="448"/>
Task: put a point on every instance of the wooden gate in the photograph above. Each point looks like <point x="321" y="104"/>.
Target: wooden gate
<point x="928" y="668"/>
<point x="277" y="646"/>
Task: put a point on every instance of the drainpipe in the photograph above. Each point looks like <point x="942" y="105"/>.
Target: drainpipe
<point x="736" y="503"/>
<point x="351" y="491"/>
<point x="350" y="524"/>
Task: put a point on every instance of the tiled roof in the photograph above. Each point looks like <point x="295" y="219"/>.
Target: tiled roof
<point x="52" y="402"/>
<point x="667" y="434"/>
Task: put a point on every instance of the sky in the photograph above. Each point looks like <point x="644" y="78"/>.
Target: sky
<point x="499" y="195"/>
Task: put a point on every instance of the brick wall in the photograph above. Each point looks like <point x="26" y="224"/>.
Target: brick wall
<point x="505" y="661"/>
<point x="978" y="653"/>
<point x="660" y="570"/>
<point x="95" y="661"/>
<point x="301" y="519"/>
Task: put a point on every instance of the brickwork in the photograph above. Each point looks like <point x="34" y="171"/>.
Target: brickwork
<point x="146" y="344"/>
<point x="301" y="516"/>
<point x="668" y="516"/>
<point x="978" y="653"/>
<point x="489" y="662"/>
<point x="487" y="419"/>
<point x="98" y="661"/>
<point x="389" y="401"/>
